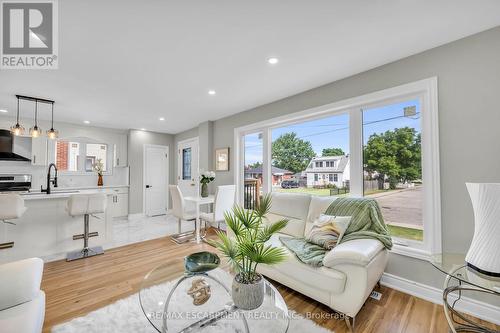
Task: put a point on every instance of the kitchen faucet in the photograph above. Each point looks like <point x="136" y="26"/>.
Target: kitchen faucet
<point x="50" y="180"/>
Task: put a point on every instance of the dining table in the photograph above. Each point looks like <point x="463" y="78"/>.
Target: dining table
<point x="198" y="202"/>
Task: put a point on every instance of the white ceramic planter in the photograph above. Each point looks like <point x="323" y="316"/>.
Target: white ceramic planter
<point x="248" y="296"/>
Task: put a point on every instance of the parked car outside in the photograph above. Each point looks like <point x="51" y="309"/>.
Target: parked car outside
<point x="289" y="184"/>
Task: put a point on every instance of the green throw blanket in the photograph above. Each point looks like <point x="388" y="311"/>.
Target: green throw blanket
<point x="308" y="253"/>
<point x="366" y="222"/>
<point x="366" y="219"/>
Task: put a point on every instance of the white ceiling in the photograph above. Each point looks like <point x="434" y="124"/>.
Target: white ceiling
<point x="125" y="63"/>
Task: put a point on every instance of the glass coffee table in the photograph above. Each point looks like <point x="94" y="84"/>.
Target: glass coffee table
<point x="202" y="302"/>
<point x="461" y="278"/>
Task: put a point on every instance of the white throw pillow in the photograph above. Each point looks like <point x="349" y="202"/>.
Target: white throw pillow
<point x="328" y="230"/>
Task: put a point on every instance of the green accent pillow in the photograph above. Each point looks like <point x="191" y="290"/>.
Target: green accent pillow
<point x="328" y="230"/>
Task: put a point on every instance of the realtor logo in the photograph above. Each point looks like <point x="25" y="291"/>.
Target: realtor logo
<point x="29" y="34"/>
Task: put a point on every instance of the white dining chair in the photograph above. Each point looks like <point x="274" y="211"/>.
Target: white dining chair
<point x="179" y="211"/>
<point x="224" y="201"/>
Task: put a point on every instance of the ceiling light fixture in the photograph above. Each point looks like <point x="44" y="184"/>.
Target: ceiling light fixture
<point x="143" y="129"/>
<point x="273" y="60"/>
<point x="17" y="129"/>
<point x="211" y="92"/>
<point x="52" y="133"/>
<point x="86" y="122"/>
<point x="162" y="119"/>
<point x="35" y="131"/>
<point x="4" y="111"/>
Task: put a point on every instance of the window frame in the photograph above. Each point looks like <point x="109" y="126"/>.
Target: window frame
<point x="426" y="91"/>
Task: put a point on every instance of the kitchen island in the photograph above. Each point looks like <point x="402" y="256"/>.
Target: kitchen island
<point x="46" y="230"/>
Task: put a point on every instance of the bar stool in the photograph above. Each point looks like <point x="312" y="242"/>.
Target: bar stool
<point x="86" y="205"/>
<point x="11" y="207"/>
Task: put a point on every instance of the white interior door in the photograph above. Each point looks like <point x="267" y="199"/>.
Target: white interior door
<point x="155" y="180"/>
<point x="188" y="167"/>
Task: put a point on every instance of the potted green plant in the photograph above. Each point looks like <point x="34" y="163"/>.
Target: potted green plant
<point x="99" y="168"/>
<point x="247" y="249"/>
<point x="205" y="178"/>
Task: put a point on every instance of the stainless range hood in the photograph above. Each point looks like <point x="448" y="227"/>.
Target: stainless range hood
<point x="6" y="148"/>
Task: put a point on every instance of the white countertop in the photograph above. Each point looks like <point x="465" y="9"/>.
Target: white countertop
<point x="63" y="193"/>
<point x="69" y="188"/>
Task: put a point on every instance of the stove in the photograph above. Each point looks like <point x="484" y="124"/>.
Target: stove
<point x="15" y="183"/>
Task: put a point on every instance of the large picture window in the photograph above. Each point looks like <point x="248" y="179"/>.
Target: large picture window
<point x="305" y="154"/>
<point x="383" y="145"/>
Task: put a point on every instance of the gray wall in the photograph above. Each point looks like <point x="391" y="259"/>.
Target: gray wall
<point x="468" y="71"/>
<point x="136" y="141"/>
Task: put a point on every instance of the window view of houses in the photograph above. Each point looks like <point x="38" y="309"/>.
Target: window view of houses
<point x="313" y="157"/>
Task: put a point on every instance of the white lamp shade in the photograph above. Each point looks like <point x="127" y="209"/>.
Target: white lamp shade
<point x="484" y="252"/>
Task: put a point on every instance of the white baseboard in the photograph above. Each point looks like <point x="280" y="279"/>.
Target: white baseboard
<point x="467" y="305"/>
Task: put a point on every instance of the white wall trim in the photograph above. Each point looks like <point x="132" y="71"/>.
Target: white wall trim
<point x="467" y="305"/>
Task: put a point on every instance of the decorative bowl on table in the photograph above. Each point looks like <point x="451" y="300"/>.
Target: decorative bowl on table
<point x="201" y="262"/>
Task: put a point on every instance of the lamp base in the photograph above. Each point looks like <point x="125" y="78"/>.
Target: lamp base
<point x="482" y="271"/>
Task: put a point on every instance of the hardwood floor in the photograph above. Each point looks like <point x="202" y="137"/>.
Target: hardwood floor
<point x="75" y="288"/>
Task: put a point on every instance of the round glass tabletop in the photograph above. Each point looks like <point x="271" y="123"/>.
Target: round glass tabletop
<point x="455" y="266"/>
<point x="175" y="301"/>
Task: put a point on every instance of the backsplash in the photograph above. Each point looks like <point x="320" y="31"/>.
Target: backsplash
<point x="119" y="175"/>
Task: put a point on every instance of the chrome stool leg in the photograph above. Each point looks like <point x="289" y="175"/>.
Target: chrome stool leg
<point x="184" y="237"/>
<point x="86" y="251"/>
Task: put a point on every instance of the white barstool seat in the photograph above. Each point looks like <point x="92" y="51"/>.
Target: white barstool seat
<point x="179" y="211"/>
<point x="86" y="205"/>
<point x="223" y="202"/>
<point x="11" y="207"/>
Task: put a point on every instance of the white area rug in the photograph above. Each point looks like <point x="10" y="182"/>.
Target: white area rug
<point x="126" y="315"/>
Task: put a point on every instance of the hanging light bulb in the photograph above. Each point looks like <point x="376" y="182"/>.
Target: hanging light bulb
<point x="52" y="133"/>
<point x="17" y="129"/>
<point x="36" y="131"/>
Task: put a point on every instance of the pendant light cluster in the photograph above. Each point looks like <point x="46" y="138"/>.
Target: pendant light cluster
<point x="35" y="131"/>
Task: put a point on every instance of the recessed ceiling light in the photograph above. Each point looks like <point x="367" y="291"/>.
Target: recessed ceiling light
<point x="86" y="122"/>
<point x="211" y="92"/>
<point x="4" y="111"/>
<point x="162" y="119"/>
<point x="143" y="129"/>
<point x="273" y="60"/>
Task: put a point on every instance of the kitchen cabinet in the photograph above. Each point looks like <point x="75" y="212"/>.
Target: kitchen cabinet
<point x="39" y="151"/>
<point x="118" y="202"/>
<point x="120" y="153"/>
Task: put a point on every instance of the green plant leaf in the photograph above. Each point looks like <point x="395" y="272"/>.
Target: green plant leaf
<point x="264" y="206"/>
<point x="246" y="216"/>
<point x="229" y="248"/>
<point x="269" y="230"/>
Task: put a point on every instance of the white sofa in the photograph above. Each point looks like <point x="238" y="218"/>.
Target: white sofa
<point x="22" y="303"/>
<point x="350" y="271"/>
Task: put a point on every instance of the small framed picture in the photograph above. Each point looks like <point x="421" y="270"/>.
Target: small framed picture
<point x="222" y="159"/>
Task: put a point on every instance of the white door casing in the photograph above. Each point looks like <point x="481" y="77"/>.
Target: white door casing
<point x="155" y="180"/>
<point x="188" y="167"/>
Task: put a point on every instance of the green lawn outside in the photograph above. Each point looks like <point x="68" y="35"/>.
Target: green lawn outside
<point x="313" y="191"/>
<point x="406" y="233"/>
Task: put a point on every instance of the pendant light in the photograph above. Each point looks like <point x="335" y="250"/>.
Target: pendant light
<point x="36" y="131"/>
<point x="17" y="129"/>
<point x="52" y="133"/>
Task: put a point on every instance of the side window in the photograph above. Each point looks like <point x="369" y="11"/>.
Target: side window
<point x="186" y="163"/>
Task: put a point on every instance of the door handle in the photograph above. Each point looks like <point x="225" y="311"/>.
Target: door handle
<point x="193" y="184"/>
<point x="148" y="186"/>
